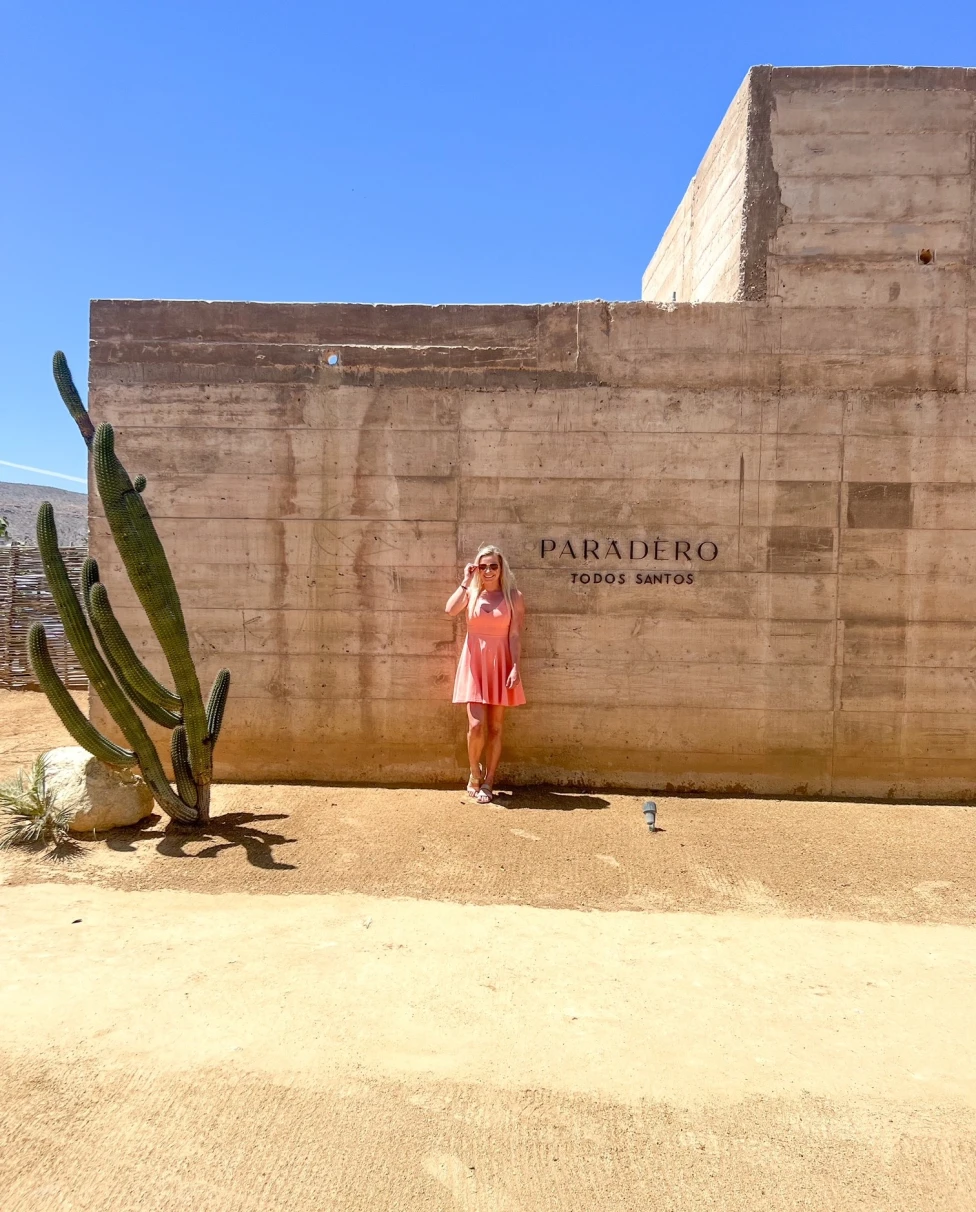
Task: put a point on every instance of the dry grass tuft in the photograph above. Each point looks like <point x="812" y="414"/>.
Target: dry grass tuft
<point x="29" y="814"/>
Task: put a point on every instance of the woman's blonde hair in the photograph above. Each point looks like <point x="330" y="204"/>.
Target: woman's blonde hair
<point x="507" y="579"/>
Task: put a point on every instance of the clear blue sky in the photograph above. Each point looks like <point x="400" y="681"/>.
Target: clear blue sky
<point x="369" y="151"/>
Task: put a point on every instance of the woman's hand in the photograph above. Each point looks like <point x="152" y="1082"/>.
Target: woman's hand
<point x="456" y="602"/>
<point x="513" y="678"/>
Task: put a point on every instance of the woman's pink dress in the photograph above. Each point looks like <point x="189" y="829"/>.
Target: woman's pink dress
<point x="486" y="659"/>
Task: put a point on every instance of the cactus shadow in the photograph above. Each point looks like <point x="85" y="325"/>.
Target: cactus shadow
<point x="234" y="829"/>
<point x="228" y="832"/>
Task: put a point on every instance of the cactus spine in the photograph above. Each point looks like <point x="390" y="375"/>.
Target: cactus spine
<point x="118" y="676"/>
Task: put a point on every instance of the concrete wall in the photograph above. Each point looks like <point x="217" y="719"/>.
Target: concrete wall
<point x="819" y="181"/>
<point x="714" y="249"/>
<point x="786" y="483"/>
<point x="872" y="166"/>
<point x="318" y="516"/>
<point x="699" y="254"/>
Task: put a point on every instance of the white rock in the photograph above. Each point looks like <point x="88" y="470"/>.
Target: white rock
<point x="104" y="797"/>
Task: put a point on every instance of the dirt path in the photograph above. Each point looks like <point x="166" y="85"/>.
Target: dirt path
<point x="356" y="998"/>
<point x="215" y="1141"/>
<point x="678" y="1008"/>
<point x="28" y="725"/>
<point x="386" y="1053"/>
<point x="552" y="849"/>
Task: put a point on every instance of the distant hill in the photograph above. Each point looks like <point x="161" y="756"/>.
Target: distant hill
<point x="19" y="502"/>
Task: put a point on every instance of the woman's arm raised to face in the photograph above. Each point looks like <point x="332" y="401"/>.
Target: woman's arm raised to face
<point x="459" y="598"/>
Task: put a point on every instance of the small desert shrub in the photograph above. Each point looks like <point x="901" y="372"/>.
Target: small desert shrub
<point x="29" y="814"/>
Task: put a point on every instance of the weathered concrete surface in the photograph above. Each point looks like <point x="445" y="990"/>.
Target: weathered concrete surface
<point x="700" y="253"/>
<point x="806" y="454"/>
<point x="715" y="247"/>
<point x="823" y="185"/>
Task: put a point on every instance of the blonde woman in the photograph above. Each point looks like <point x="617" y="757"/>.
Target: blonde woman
<point x="488" y="678"/>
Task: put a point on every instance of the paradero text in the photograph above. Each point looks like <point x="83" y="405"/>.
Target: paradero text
<point x="673" y="550"/>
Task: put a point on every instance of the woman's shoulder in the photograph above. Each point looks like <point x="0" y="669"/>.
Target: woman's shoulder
<point x="518" y="599"/>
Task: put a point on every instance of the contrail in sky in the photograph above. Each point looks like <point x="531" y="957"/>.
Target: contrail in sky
<point x="41" y="471"/>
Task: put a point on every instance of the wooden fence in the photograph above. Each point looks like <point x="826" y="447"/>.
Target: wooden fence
<point x="26" y="599"/>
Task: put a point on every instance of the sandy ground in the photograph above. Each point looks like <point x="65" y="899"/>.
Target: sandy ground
<point x="358" y="998"/>
<point x="28" y="725"/>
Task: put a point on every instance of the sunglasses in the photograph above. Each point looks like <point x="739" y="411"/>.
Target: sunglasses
<point x="489" y="567"/>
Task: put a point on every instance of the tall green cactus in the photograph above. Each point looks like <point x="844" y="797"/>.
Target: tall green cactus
<point x="117" y="675"/>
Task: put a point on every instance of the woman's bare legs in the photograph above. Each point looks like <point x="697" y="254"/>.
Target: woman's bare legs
<point x="493" y="743"/>
<point x="477" y="738"/>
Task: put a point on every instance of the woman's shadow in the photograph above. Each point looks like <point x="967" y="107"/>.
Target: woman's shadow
<point x="225" y="832"/>
<point x="548" y="799"/>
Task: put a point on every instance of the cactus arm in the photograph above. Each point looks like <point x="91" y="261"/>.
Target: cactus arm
<point x="72" y="400"/>
<point x="134" y="678"/>
<point x="80" y="638"/>
<point x="69" y="713"/>
<point x="117" y="650"/>
<point x="181" y="766"/>
<point x="124" y="663"/>
<point x="216" y="701"/>
<point x="145" y="561"/>
<point x="148" y="685"/>
<point x="139" y="484"/>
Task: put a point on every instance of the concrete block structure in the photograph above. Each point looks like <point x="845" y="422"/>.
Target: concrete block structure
<point x="742" y="510"/>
